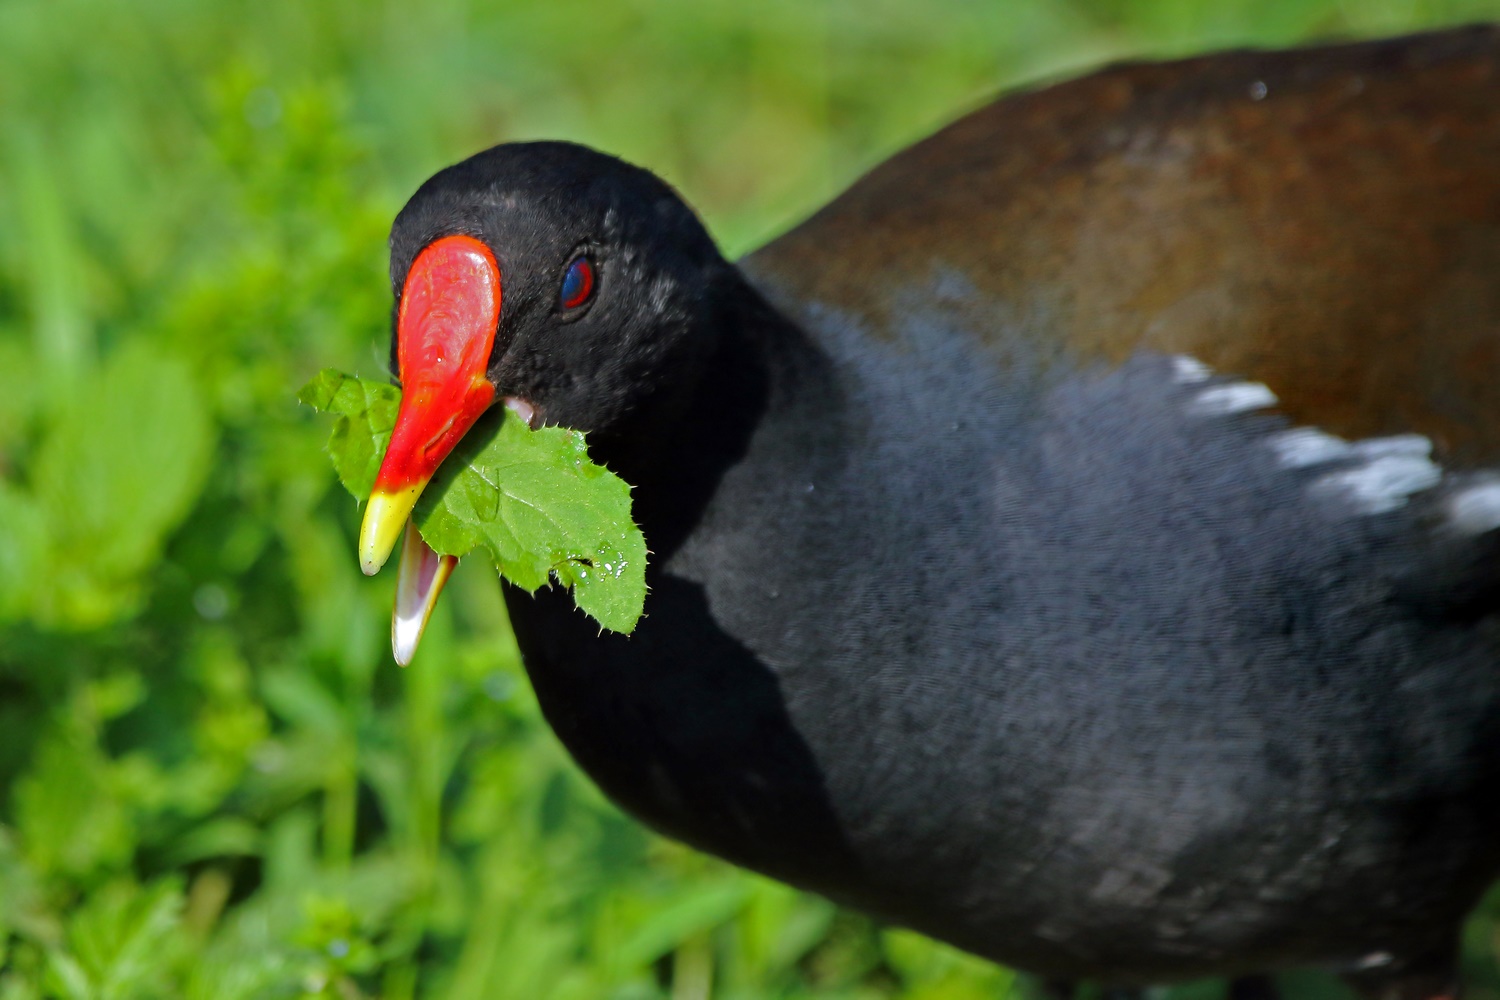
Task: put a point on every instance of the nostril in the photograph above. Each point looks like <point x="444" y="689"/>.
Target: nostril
<point x="442" y="432"/>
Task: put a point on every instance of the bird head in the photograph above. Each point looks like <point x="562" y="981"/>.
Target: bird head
<point x="555" y="280"/>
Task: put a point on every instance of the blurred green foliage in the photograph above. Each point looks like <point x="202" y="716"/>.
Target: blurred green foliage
<point x="213" y="782"/>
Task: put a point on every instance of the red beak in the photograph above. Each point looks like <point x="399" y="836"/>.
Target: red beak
<point x="445" y="330"/>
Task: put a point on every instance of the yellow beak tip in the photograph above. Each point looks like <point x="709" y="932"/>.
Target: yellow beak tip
<point x="385" y="517"/>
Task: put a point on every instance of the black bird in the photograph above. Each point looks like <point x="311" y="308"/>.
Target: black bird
<point x="1077" y="542"/>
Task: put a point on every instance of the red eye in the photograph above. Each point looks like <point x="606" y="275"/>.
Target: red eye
<point x="578" y="283"/>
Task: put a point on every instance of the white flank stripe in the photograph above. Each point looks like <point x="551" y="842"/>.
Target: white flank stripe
<point x="1476" y="509"/>
<point x="1396" y="444"/>
<point x="1384" y="484"/>
<point x="1301" y="447"/>
<point x="1236" y="397"/>
<point x="1189" y="370"/>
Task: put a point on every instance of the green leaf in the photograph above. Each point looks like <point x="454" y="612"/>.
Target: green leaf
<point x="119" y="942"/>
<point x="367" y="412"/>
<point x="531" y="498"/>
<point x="119" y="468"/>
<point x="697" y="909"/>
<point x="22" y="551"/>
<point x="70" y="824"/>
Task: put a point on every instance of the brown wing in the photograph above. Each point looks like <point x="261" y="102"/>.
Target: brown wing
<point x="1324" y="220"/>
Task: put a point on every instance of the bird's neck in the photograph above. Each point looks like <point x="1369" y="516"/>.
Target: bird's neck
<point x="681" y="722"/>
<point x="679" y="442"/>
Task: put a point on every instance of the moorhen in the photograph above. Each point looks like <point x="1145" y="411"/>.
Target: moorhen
<point x="1077" y="542"/>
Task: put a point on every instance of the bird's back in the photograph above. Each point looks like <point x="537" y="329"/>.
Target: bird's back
<point x="1325" y="221"/>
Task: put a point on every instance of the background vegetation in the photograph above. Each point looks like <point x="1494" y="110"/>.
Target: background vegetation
<point x="213" y="781"/>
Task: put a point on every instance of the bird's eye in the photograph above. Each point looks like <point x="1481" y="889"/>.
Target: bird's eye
<point x="577" y="283"/>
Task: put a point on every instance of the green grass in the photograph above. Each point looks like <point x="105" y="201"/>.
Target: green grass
<point x="213" y="781"/>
